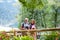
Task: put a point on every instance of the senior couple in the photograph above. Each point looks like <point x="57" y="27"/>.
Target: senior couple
<point x="26" y="25"/>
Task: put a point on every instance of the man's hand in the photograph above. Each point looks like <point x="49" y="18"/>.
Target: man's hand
<point x="22" y="28"/>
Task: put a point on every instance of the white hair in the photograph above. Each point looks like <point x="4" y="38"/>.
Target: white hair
<point x="26" y="18"/>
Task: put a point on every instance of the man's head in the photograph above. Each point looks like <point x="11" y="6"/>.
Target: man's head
<point x="26" y="20"/>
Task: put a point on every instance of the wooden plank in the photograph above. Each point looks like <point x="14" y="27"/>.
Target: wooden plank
<point x="37" y="30"/>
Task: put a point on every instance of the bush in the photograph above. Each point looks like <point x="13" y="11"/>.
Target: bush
<point x="52" y="36"/>
<point x="22" y="38"/>
<point x="4" y="36"/>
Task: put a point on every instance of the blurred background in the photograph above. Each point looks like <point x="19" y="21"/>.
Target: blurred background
<point x="8" y="11"/>
<point x="45" y="12"/>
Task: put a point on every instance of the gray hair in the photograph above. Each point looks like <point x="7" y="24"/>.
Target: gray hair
<point x="26" y="18"/>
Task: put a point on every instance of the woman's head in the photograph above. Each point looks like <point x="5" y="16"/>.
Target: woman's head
<point x="32" y="21"/>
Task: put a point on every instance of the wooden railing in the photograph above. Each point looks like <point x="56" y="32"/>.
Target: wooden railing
<point x="36" y="30"/>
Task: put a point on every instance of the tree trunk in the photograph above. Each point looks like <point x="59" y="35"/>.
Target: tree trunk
<point x="56" y="19"/>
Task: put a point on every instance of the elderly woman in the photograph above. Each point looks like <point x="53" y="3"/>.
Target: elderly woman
<point x="33" y="26"/>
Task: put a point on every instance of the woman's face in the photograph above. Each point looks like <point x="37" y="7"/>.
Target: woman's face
<point x="32" y="22"/>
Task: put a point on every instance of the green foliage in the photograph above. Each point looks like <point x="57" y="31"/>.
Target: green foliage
<point x="26" y="38"/>
<point x="29" y="9"/>
<point x="22" y="38"/>
<point x="4" y="36"/>
<point x="52" y="36"/>
<point x="16" y="38"/>
<point x="31" y="4"/>
<point x="46" y="14"/>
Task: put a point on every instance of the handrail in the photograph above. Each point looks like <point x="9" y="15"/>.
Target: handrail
<point x="37" y="30"/>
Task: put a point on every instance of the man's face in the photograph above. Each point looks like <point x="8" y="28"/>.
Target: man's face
<point x="25" y="20"/>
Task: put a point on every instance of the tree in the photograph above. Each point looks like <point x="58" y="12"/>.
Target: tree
<point x="44" y="13"/>
<point x="32" y="6"/>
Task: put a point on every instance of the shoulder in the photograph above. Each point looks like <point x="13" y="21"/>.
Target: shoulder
<point x="22" y="23"/>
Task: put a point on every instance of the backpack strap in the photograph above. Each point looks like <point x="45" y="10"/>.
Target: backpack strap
<point x="23" y="25"/>
<point x="30" y="26"/>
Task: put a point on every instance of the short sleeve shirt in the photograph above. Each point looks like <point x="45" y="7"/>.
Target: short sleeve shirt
<point x="25" y="24"/>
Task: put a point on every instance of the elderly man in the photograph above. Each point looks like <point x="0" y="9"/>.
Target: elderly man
<point x="25" y="24"/>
